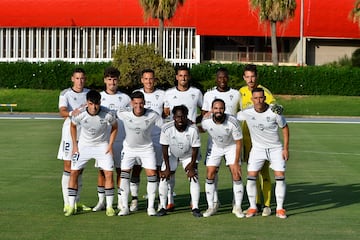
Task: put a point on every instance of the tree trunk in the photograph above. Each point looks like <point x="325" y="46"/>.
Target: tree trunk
<point x="161" y="36"/>
<point x="274" y="51"/>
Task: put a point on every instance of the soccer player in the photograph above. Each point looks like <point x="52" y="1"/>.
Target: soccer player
<point x="250" y="76"/>
<point x="226" y="136"/>
<point x="231" y="98"/>
<point x="138" y="146"/>
<point x="263" y="124"/>
<point x="154" y="99"/>
<point x="112" y="99"/>
<point x="71" y="102"/>
<point x="94" y="142"/>
<point x="192" y="98"/>
<point x="180" y="142"/>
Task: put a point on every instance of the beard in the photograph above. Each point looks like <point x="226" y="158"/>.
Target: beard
<point x="219" y="117"/>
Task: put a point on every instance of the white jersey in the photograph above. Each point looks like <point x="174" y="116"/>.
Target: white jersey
<point x="223" y="134"/>
<point x="71" y="100"/>
<point x="192" y="99"/>
<point x="230" y="97"/>
<point x="263" y="127"/>
<point x="154" y="100"/>
<point x="138" y="128"/>
<point x="180" y="143"/>
<point x="94" y="128"/>
<point x="114" y="102"/>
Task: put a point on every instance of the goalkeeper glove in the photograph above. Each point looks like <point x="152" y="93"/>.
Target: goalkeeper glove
<point x="276" y="108"/>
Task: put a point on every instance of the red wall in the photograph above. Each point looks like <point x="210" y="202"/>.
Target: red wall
<point x="322" y="18"/>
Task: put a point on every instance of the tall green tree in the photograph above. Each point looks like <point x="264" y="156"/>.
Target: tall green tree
<point x="355" y="12"/>
<point x="274" y="11"/>
<point x="162" y="10"/>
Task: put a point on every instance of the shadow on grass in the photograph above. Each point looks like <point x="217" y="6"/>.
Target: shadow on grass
<point x="300" y="198"/>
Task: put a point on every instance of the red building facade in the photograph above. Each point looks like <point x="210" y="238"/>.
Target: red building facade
<point x="89" y="30"/>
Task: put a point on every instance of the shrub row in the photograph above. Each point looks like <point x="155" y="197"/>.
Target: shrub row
<point x="310" y="80"/>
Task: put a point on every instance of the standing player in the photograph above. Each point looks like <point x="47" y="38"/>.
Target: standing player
<point x="94" y="142"/>
<point x="180" y="141"/>
<point x="71" y="103"/>
<point x="226" y="136"/>
<point x="231" y="98"/>
<point x="266" y="145"/>
<point x="154" y="99"/>
<point x="112" y="99"/>
<point x="138" y="146"/>
<point x="263" y="182"/>
<point x="189" y="96"/>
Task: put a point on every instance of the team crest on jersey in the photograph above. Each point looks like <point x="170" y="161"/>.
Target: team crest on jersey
<point x="187" y="136"/>
<point x="231" y="97"/>
<point x="227" y="130"/>
<point x="137" y="130"/>
<point x="120" y="99"/>
<point x="193" y="96"/>
<point x="268" y="119"/>
<point x="157" y="97"/>
<point x="147" y="122"/>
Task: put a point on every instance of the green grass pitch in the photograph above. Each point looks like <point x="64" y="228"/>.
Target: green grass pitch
<point x="322" y="202"/>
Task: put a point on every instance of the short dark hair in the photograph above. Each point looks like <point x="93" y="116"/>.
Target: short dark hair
<point x="217" y="100"/>
<point x="251" y="68"/>
<point x="182" y="108"/>
<point x="222" y="69"/>
<point x="78" y="70"/>
<point x="258" y="90"/>
<point x="147" y="70"/>
<point x="182" y="68"/>
<point x="93" y="96"/>
<point x="111" y="72"/>
<point x="137" y="94"/>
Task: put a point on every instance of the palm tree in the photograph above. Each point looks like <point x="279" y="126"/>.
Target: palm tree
<point x="355" y="12"/>
<point x="162" y="10"/>
<point x="274" y="11"/>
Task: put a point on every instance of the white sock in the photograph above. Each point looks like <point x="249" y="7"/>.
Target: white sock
<point x="101" y="194"/>
<point x="134" y="189"/>
<point x="195" y="193"/>
<point x="163" y="193"/>
<point x="72" y="196"/>
<point x="210" y="189"/>
<point x="109" y="193"/>
<point x="251" y="191"/>
<point x="171" y="186"/>
<point x="280" y="191"/>
<point x="64" y="186"/>
<point x="151" y="188"/>
<point x="216" y="181"/>
<point x="238" y="189"/>
<point x="125" y="188"/>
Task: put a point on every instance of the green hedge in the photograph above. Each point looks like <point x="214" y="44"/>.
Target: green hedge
<point x="310" y="80"/>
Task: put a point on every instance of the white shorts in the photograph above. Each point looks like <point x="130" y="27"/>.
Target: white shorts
<point x="143" y="157"/>
<point x="258" y="156"/>
<point x="216" y="153"/>
<point x="174" y="162"/>
<point x="66" y="145"/>
<point x="103" y="160"/>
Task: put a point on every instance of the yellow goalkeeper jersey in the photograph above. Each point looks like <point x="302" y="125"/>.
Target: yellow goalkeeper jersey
<point x="245" y="99"/>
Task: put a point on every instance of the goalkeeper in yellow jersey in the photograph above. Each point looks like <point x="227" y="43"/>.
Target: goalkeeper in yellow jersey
<point x="263" y="180"/>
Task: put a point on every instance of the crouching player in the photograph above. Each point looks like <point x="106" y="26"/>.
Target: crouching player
<point x="181" y="139"/>
<point x="93" y="143"/>
<point x="263" y="125"/>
